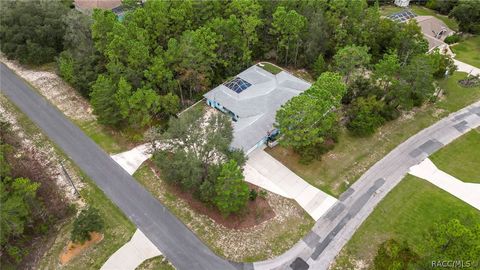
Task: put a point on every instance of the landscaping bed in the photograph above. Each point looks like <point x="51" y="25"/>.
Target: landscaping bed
<point x="242" y="240"/>
<point x="352" y="156"/>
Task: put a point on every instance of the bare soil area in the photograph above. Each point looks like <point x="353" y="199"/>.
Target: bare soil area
<point x="53" y="88"/>
<point x="36" y="149"/>
<point x="74" y="249"/>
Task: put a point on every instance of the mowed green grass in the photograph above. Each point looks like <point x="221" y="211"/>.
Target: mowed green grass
<point x="468" y="51"/>
<point x="110" y="140"/>
<point x="461" y="158"/>
<point x="352" y="156"/>
<point x="407" y="213"/>
<point x="270" y="68"/>
<point x="455" y="95"/>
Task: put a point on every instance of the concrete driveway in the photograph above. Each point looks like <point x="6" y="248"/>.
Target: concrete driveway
<point x="265" y="171"/>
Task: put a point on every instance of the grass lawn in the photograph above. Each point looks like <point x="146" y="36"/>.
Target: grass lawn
<point x="118" y="229"/>
<point x="461" y="158"/>
<point x="352" y="156"/>
<point x="270" y="68"/>
<point x="110" y="140"/>
<point x="155" y="263"/>
<point x="468" y="51"/>
<point x="407" y="213"/>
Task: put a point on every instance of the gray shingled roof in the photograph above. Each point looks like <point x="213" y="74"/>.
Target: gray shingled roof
<point x="257" y="105"/>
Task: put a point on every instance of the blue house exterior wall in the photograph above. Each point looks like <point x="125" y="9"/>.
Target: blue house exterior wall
<point x="216" y="105"/>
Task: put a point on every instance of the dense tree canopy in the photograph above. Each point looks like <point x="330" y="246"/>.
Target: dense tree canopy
<point x="232" y="191"/>
<point x="454" y="240"/>
<point x="32" y="31"/>
<point x="192" y="153"/>
<point x="288" y="26"/>
<point x="164" y="55"/>
<point x="351" y="58"/>
<point x="307" y="120"/>
<point x="467" y="14"/>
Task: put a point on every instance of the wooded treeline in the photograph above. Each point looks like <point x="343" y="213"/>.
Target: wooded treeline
<point x="31" y="203"/>
<point x="165" y="54"/>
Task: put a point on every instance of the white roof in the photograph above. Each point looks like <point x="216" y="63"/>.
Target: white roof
<point x="257" y="105"/>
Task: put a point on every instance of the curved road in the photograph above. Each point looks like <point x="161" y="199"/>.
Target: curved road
<point x="315" y="251"/>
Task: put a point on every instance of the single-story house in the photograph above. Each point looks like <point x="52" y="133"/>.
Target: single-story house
<point x="101" y="4"/>
<point x="434" y="30"/>
<point x="87" y="6"/>
<point x="252" y="99"/>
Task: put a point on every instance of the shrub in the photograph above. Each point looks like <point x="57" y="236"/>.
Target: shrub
<point x="65" y="67"/>
<point x="262" y="194"/>
<point x="452" y="39"/>
<point x="231" y="189"/>
<point x="394" y="255"/>
<point x="390" y="113"/>
<point x="319" y="66"/>
<point x="252" y="195"/>
<point x="365" y="116"/>
<point x="207" y="191"/>
<point x="89" y="220"/>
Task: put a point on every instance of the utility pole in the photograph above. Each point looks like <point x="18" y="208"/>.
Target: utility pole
<point x="69" y="179"/>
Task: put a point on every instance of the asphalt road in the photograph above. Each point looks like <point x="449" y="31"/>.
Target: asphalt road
<point x="171" y="236"/>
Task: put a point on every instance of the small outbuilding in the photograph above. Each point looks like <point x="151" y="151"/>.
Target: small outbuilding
<point x="252" y="99"/>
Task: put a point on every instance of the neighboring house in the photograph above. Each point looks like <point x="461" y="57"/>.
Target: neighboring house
<point x="87" y="6"/>
<point x="434" y="30"/>
<point x="102" y="4"/>
<point x="252" y="99"/>
<point x="402" y="3"/>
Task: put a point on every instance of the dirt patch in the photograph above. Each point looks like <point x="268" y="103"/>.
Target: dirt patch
<point x="53" y="88"/>
<point x="72" y="250"/>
